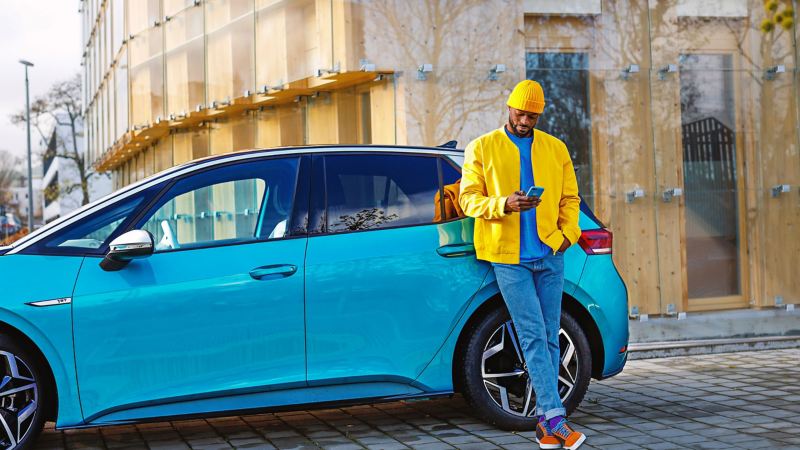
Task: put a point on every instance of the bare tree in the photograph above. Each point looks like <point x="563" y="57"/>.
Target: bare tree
<point x="8" y="173"/>
<point x="62" y="106"/>
<point x="452" y="36"/>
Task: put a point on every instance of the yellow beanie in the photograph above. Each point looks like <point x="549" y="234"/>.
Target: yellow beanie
<point x="527" y="96"/>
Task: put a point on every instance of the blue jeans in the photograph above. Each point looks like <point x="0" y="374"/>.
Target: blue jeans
<point x="532" y="292"/>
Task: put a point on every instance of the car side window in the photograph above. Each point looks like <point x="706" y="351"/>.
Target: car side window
<point x="232" y="204"/>
<point x="451" y="189"/>
<point x="93" y="232"/>
<point x="367" y="192"/>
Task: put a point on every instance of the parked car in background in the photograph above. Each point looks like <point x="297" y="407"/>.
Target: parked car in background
<point x="282" y="278"/>
<point x="9" y="224"/>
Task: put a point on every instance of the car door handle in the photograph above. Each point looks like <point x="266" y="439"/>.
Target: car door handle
<point x="456" y="250"/>
<point x="273" y="272"/>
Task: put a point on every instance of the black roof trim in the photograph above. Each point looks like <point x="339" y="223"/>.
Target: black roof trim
<point x="318" y="148"/>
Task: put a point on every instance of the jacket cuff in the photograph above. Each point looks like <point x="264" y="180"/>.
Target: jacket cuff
<point x="501" y="206"/>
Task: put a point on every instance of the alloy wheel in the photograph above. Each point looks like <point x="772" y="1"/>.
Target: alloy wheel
<point x="18" y="400"/>
<point x="505" y="374"/>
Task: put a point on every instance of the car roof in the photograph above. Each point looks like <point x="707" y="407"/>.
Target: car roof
<point x="214" y="160"/>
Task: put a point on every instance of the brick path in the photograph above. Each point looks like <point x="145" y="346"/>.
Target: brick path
<point x="736" y="400"/>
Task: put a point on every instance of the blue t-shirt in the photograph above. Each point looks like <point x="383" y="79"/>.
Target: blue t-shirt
<point x="531" y="247"/>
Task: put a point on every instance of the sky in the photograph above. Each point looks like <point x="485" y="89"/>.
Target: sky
<point x="46" y="33"/>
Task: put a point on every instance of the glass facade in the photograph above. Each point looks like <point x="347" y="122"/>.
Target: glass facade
<point x="681" y="115"/>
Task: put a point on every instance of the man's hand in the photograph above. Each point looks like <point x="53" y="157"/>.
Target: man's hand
<point x="518" y="202"/>
<point x="564" y="245"/>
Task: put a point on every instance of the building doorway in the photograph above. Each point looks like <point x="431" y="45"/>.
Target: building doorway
<point x="712" y="182"/>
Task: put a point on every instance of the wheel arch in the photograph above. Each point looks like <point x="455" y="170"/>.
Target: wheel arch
<point x="51" y="400"/>
<point x="569" y="304"/>
<point x="490" y="304"/>
<point x="579" y="312"/>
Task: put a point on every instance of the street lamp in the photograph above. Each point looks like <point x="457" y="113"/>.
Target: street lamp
<point x="28" y="123"/>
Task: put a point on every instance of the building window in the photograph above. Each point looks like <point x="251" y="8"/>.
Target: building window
<point x="565" y="80"/>
<point x="364" y="118"/>
<point x="185" y="61"/>
<point x="230" y="28"/>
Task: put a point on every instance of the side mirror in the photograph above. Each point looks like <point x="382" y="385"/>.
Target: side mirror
<point x="132" y="245"/>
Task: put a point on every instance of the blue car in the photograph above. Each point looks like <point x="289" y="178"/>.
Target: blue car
<point x="283" y="278"/>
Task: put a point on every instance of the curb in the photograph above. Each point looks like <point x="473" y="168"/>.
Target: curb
<point x="649" y="350"/>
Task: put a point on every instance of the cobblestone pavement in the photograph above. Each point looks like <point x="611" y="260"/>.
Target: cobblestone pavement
<point x="736" y="400"/>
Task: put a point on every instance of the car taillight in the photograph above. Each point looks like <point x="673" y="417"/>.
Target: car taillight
<point x="596" y="242"/>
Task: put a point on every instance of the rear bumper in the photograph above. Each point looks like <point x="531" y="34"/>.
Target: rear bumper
<point x="606" y="298"/>
<point x="614" y="369"/>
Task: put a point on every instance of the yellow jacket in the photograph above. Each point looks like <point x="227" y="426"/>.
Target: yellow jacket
<point x="491" y="173"/>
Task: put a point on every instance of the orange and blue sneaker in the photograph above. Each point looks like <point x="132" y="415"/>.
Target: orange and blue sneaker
<point x="544" y="437"/>
<point x="570" y="438"/>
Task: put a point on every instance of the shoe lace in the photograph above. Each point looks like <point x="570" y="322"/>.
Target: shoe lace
<point x="562" y="429"/>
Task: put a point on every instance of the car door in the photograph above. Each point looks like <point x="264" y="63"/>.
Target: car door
<point x="215" y="311"/>
<point x="385" y="283"/>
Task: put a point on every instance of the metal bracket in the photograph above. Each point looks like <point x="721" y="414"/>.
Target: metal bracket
<point x="668" y="195"/>
<point x="422" y="70"/>
<point x="770" y="73"/>
<point x="366" y="66"/>
<point x="626" y="72"/>
<point x="335" y="69"/>
<point x="495" y="70"/>
<point x="669" y="68"/>
<point x="630" y="196"/>
<point x="780" y="189"/>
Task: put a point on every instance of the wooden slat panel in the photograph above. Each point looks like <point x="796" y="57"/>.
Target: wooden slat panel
<point x="718" y="303"/>
<point x="780" y="164"/>
<point x="382" y="96"/>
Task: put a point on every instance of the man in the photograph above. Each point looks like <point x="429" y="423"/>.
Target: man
<point x="524" y="238"/>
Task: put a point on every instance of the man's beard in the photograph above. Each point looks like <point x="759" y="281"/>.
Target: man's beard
<point x="516" y="132"/>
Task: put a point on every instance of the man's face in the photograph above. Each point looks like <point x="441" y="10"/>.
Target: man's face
<point x="522" y="122"/>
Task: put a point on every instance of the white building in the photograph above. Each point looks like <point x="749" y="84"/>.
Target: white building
<point x="62" y="178"/>
<point x="19" y="198"/>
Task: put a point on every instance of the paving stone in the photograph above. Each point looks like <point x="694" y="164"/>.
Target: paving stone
<point x="698" y="402"/>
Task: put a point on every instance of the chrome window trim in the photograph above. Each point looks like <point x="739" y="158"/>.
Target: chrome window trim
<point x="189" y="167"/>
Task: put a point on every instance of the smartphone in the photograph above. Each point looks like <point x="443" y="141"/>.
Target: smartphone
<point x="535" y="191"/>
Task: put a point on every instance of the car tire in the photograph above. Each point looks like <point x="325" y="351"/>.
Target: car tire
<point x="485" y="395"/>
<point x="25" y="405"/>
